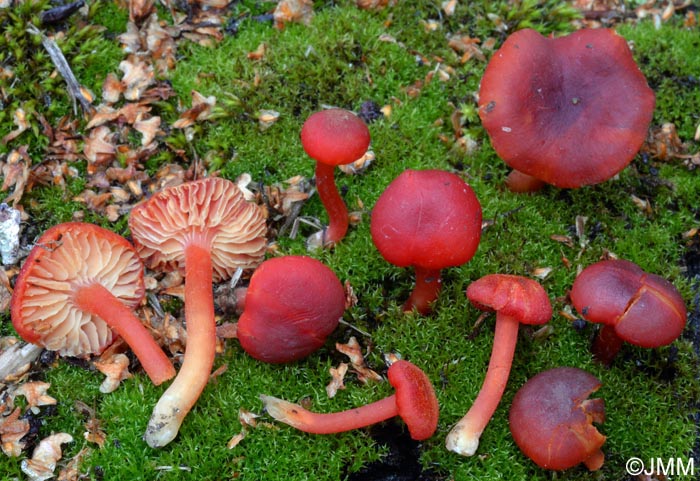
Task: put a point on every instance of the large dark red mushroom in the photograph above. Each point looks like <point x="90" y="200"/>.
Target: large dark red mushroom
<point x="333" y="137"/>
<point x="516" y="300"/>
<point x="635" y="306"/>
<point x="569" y="111"/>
<point x="428" y="219"/>
<point x="291" y="306"/>
<point x="78" y="287"/>
<point x="205" y="229"/>
<point x="551" y="419"/>
<point x="414" y="400"/>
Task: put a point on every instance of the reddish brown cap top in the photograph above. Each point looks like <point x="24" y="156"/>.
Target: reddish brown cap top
<point x="65" y="256"/>
<point x="415" y="399"/>
<point x="570" y="111"/>
<point x="646" y="309"/>
<point x="291" y="306"/>
<point x="211" y="209"/>
<point x="551" y="418"/>
<point x="514" y="296"/>
<point x="335" y="136"/>
<point x="427" y="218"/>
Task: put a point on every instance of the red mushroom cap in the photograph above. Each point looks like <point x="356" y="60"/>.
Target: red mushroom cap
<point x="415" y="399"/>
<point x="551" y="419"/>
<point x="645" y="309"/>
<point x="335" y="136"/>
<point x="427" y="218"/>
<point x="514" y="296"/>
<point x="65" y="257"/>
<point x="570" y="111"/>
<point x="291" y="306"/>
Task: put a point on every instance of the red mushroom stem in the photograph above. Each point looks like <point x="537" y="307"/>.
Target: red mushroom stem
<point x="96" y="299"/>
<point x="333" y="202"/>
<point x="425" y="292"/>
<point x="330" y="423"/>
<point x="606" y="345"/>
<point x="414" y="401"/>
<point x="465" y="435"/>
<point x="521" y="183"/>
<point x="182" y="394"/>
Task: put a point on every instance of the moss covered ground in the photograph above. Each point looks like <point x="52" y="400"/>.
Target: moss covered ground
<point x="344" y="57"/>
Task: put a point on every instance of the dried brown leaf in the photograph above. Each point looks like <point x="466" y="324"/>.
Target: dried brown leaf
<point x="15" y="172"/>
<point x="375" y="4"/>
<point x="71" y="472"/>
<point x="201" y="110"/>
<point x="45" y="457"/>
<point x="12" y="430"/>
<point x="467" y="46"/>
<point x="258" y="53"/>
<point x="138" y="76"/>
<point x="293" y="11"/>
<point x="148" y="129"/>
<point x="19" y="117"/>
<point x="139" y="10"/>
<point x="99" y="148"/>
<point x="35" y="394"/>
<point x="337" y="379"/>
<point x="116" y="368"/>
<point x="353" y="350"/>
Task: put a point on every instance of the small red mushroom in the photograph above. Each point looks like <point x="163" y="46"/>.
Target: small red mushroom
<point x="414" y="400"/>
<point x="291" y="306"/>
<point x="551" y="419"/>
<point x="516" y="300"/>
<point x="634" y="306"/>
<point x="428" y="219"/>
<point x="569" y="111"/>
<point x="333" y="137"/>
<point x="206" y="229"/>
<point x="76" y="288"/>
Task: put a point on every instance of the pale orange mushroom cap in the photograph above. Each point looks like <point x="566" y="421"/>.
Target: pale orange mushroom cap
<point x="213" y="208"/>
<point x="65" y="257"/>
<point x="206" y="229"/>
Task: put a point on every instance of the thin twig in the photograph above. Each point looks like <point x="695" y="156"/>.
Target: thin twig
<point x="59" y="60"/>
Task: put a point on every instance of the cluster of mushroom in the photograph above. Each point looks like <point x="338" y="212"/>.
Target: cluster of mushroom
<point x="79" y="287"/>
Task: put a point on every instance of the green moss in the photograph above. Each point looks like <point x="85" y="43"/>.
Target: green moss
<point x="345" y="57"/>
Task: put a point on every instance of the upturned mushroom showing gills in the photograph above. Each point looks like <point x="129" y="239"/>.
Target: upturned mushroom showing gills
<point x="551" y="419"/>
<point x="516" y="300"/>
<point x="291" y="306"/>
<point x="634" y="306"/>
<point x="333" y="137"/>
<point x="567" y="111"/>
<point x="206" y="229"/>
<point x="428" y="219"/>
<point x="414" y="400"/>
<point x="77" y="288"/>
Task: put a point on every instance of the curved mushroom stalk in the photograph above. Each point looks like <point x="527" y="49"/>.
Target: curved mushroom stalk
<point x="208" y="230"/>
<point x="464" y="437"/>
<point x="77" y="288"/>
<point x="516" y="300"/>
<point x="414" y="400"/>
<point x="333" y="137"/>
<point x="551" y="419"/>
